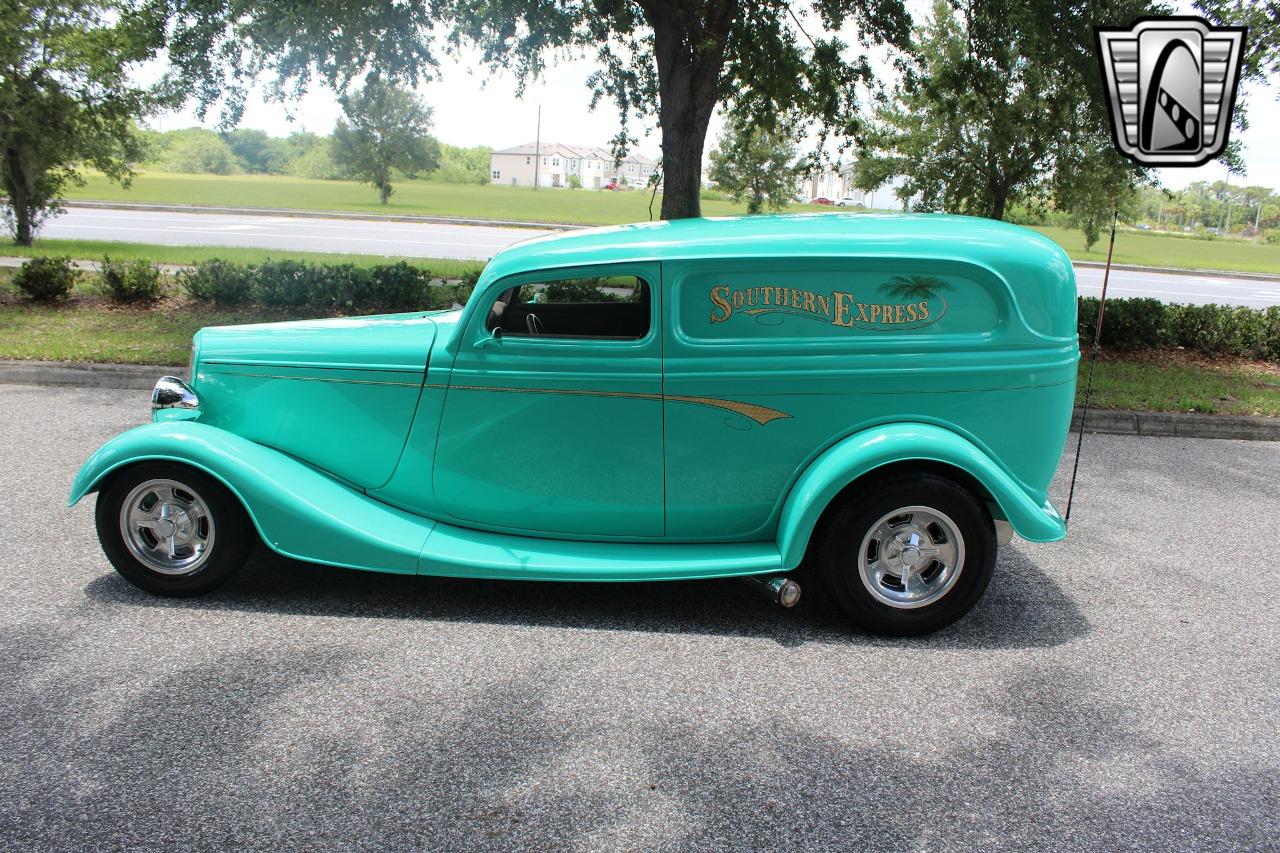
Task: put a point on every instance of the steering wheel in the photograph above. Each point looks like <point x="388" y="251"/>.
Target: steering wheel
<point x="533" y="324"/>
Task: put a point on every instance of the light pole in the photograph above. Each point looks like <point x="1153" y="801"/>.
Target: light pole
<point x="537" y="148"/>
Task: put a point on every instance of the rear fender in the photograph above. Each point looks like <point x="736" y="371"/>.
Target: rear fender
<point x="870" y="449"/>
<point x="299" y="511"/>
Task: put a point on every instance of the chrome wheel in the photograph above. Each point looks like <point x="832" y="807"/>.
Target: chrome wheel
<point x="167" y="526"/>
<point x="911" y="557"/>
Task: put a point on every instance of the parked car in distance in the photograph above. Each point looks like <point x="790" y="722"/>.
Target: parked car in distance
<point x="821" y="200"/>
<point x="848" y="201"/>
<point x="882" y="399"/>
<point x="613" y="186"/>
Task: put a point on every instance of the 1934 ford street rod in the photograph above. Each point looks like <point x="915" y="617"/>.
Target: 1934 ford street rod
<point x="884" y="398"/>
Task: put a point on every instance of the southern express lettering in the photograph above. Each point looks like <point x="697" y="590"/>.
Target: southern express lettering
<point x="840" y="308"/>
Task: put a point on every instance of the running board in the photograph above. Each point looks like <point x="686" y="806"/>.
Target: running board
<point x="465" y="553"/>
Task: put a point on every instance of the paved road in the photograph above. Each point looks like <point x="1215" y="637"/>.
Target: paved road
<point x="464" y="241"/>
<point x="359" y="236"/>
<point x="1117" y="691"/>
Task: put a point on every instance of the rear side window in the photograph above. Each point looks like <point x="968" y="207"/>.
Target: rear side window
<point x="613" y="308"/>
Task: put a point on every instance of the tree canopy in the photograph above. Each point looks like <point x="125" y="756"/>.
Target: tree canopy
<point x="384" y="130"/>
<point x="769" y="63"/>
<point x="66" y="99"/>
<point x="1000" y="101"/>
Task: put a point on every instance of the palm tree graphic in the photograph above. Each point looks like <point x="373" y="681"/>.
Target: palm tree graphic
<point x="915" y="288"/>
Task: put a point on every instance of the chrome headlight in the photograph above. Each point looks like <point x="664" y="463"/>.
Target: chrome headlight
<point x="172" y="393"/>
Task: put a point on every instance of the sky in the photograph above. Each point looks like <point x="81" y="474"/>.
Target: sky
<point x="474" y="107"/>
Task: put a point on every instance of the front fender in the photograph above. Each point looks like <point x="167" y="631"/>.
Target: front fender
<point x="870" y="449"/>
<point x="299" y="511"/>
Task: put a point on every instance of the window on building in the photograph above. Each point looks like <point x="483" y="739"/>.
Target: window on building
<point x="496" y="174"/>
<point x="555" y="161"/>
<point x="528" y="160"/>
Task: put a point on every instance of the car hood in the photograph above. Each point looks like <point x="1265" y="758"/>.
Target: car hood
<point x="396" y="342"/>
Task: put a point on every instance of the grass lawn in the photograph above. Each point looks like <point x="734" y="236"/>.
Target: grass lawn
<point x="595" y="208"/>
<point x="93" y="250"/>
<point x="87" y="328"/>
<point x="1171" y="381"/>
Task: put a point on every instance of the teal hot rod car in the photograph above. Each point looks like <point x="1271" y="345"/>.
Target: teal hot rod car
<point x="881" y="398"/>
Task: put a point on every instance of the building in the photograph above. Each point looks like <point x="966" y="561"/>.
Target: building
<point x="554" y="164"/>
<point x="834" y="183"/>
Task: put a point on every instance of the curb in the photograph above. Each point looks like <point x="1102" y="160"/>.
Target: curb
<point x="1179" y="425"/>
<point x="131" y="377"/>
<point x="1251" y="276"/>
<point x="14" y="262"/>
<point x="287" y="213"/>
<point x="141" y="377"/>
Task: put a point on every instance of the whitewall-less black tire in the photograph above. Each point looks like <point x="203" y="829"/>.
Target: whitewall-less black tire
<point x="907" y="554"/>
<point x="171" y="529"/>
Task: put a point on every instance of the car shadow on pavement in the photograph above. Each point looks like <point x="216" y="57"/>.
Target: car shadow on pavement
<point x="1022" y="608"/>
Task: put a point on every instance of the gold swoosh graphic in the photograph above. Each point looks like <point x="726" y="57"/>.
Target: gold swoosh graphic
<point x="760" y="414"/>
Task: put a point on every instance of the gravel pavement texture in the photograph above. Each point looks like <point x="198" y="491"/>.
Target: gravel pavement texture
<point x="1119" y="690"/>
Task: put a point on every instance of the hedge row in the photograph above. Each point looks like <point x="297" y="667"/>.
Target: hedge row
<point x="325" y="287"/>
<point x="1132" y="324"/>
<point x="338" y="288"/>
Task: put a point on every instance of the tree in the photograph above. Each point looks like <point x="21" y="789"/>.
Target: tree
<point x="1093" y="184"/>
<point x="460" y="165"/>
<point x="195" y="150"/>
<point x="385" y="129"/>
<point x="1000" y="100"/>
<point x="66" y="99"/>
<point x="755" y="164"/>
<point x="256" y="151"/>
<point x="775" y="64"/>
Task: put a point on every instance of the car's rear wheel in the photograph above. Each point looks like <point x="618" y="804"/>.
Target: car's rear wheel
<point x="908" y="555"/>
<point x="172" y="530"/>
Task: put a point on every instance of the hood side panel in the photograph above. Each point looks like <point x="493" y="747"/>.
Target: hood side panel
<point x="337" y="394"/>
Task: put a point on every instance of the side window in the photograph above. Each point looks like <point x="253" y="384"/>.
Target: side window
<point x="614" y="308"/>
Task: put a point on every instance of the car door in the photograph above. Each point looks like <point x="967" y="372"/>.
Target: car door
<point x="553" y="425"/>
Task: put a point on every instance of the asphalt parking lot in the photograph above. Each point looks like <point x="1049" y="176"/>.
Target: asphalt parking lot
<point x="1119" y="690"/>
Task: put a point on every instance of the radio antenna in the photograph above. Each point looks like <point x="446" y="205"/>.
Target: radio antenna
<point x="1093" y="362"/>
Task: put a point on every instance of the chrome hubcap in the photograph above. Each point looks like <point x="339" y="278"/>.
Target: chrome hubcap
<point x="911" y="557"/>
<point x="167" y="526"/>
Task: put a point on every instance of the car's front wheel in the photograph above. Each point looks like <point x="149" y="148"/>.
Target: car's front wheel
<point x="172" y="530"/>
<point x="908" y="555"/>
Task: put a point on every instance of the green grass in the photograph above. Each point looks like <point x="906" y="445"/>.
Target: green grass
<point x="1157" y="250"/>
<point x="492" y="201"/>
<point x="595" y="208"/>
<point x="73" y="333"/>
<point x="1143" y="386"/>
<point x="94" y="331"/>
<point x="183" y="255"/>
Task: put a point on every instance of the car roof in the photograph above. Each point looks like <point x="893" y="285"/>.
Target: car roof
<point x="992" y="243"/>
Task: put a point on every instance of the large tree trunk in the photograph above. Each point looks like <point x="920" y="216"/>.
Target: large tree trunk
<point x="15" y="185"/>
<point x="998" y="203"/>
<point x="689" y="52"/>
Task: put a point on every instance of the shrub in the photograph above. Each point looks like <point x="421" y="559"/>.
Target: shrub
<point x="1133" y="324"/>
<point x="342" y="287"/>
<point x="290" y="283"/>
<point x="396" y="287"/>
<point x="133" y="281"/>
<point x="221" y="281"/>
<point x="47" y="279"/>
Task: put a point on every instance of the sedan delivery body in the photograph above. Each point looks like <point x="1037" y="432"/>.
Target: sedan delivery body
<point x="658" y="401"/>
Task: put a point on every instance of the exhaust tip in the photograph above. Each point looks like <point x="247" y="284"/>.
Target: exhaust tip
<point x="780" y="589"/>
